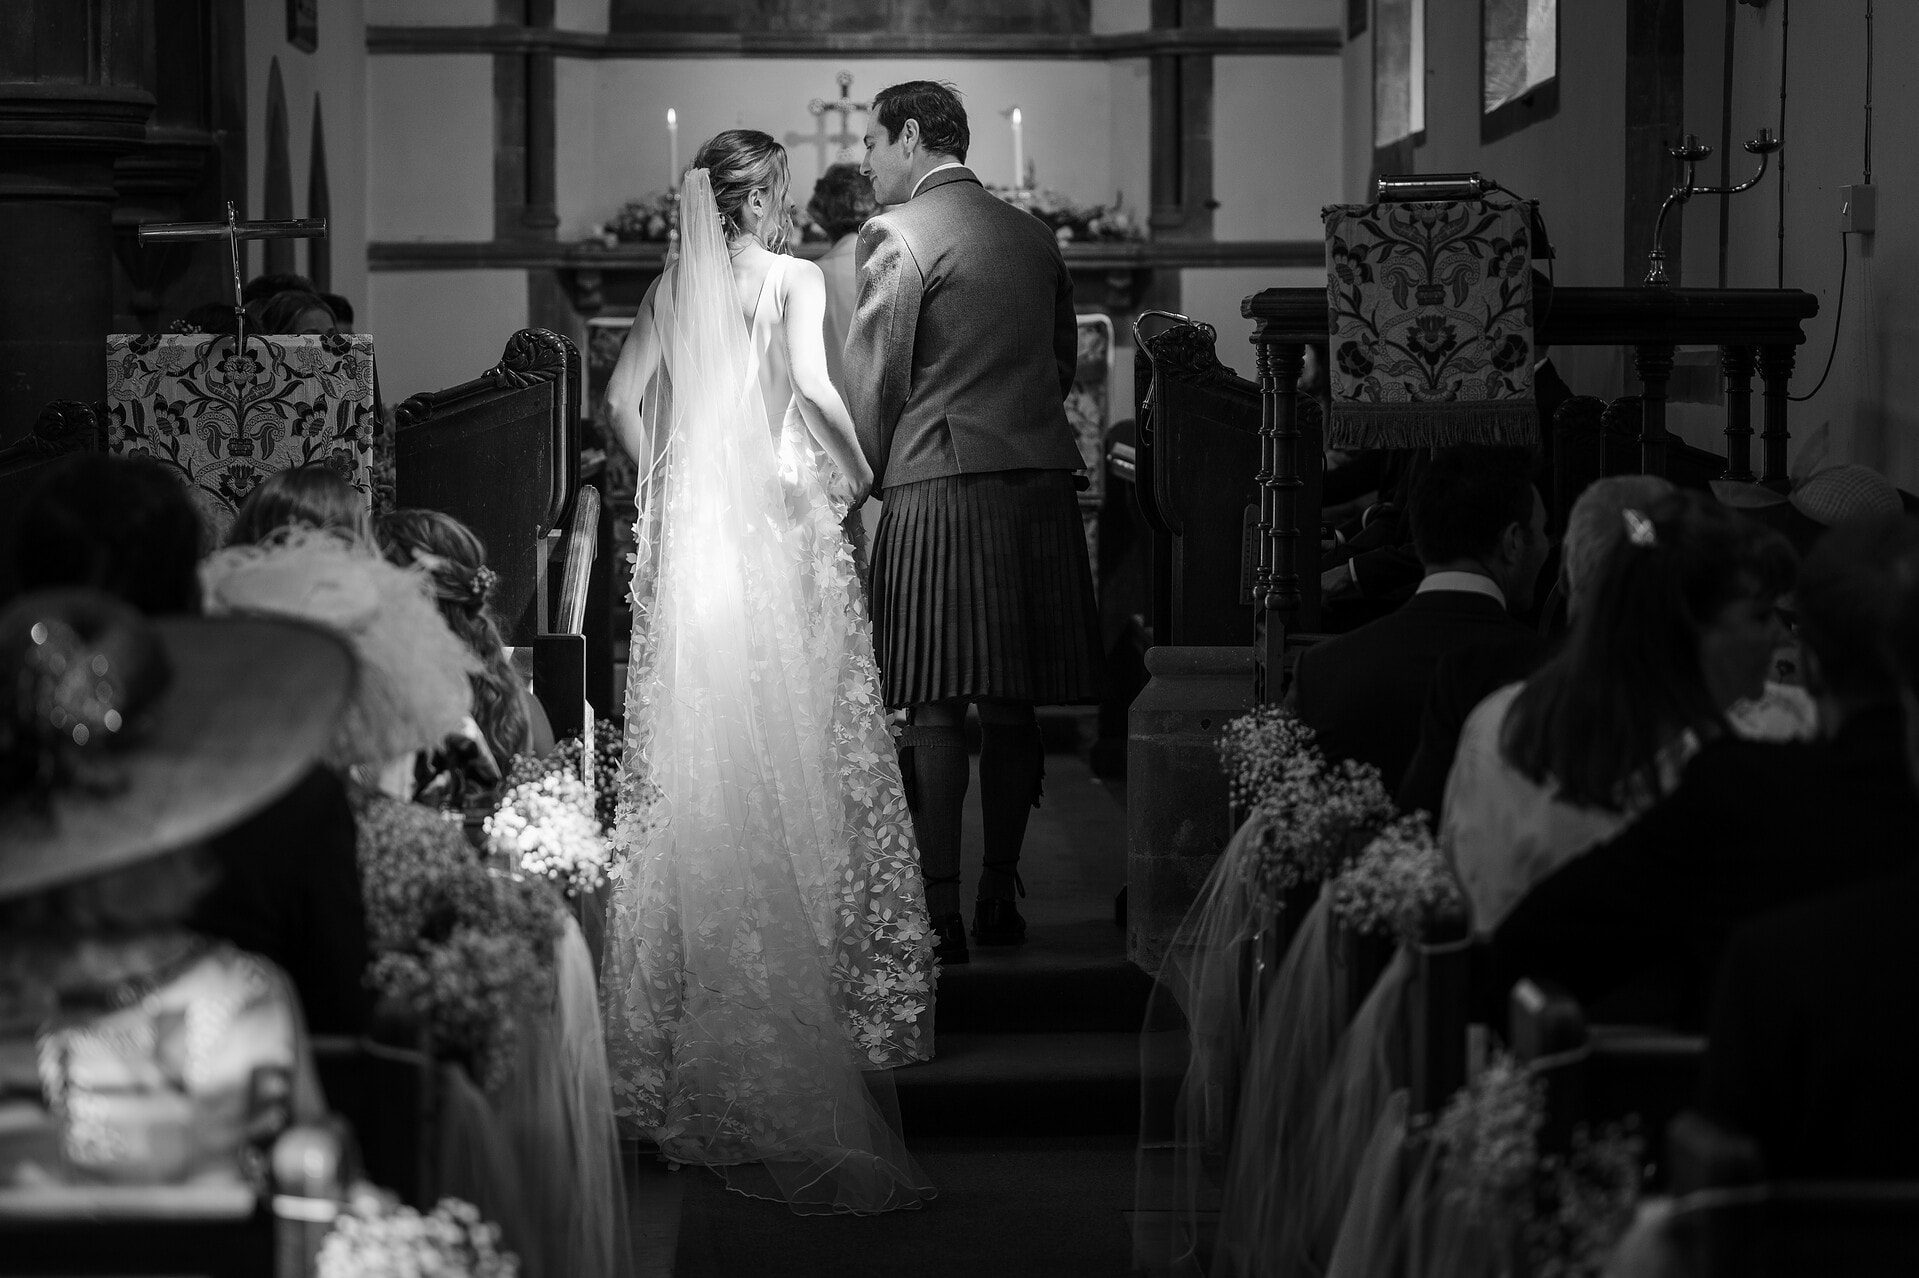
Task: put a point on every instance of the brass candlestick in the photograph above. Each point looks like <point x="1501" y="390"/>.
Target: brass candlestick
<point x="1689" y="153"/>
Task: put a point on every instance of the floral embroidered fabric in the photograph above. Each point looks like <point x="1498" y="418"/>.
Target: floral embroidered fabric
<point x="1432" y="325"/>
<point x="768" y="939"/>
<point x="223" y="423"/>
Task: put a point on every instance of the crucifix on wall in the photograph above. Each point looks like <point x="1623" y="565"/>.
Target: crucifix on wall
<point x="846" y="107"/>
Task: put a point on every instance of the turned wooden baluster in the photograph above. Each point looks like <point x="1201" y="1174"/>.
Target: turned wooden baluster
<point x="1775" y="370"/>
<point x="1279" y="368"/>
<point x="1653" y="362"/>
<point x="1736" y="363"/>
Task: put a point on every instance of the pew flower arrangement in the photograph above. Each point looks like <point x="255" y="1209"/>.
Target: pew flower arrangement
<point x="377" y="1236"/>
<point x="547" y="823"/>
<point x="1565" y="1211"/>
<point x="1073" y="222"/>
<point x="1398" y="882"/>
<point x="465" y="949"/>
<point x="1314" y="816"/>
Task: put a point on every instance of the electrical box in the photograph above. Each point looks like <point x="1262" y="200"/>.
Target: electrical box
<point x="1858" y="207"/>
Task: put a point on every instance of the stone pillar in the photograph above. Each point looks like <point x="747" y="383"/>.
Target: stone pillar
<point x="71" y="102"/>
<point x="1177" y="813"/>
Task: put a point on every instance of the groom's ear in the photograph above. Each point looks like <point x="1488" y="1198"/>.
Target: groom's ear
<point x="909" y="135"/>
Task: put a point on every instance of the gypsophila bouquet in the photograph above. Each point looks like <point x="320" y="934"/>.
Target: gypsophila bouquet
<point x="377" y="1236"/>
<point x="1315" y="815"/>
<point x="1489" y="1136"/>
<point x="547" y="827"/>
<point x="609" y="750"/>
<point x="467" y="950"/>
<point x="1586" y="1200"/>
<point x="1398" y="882"/>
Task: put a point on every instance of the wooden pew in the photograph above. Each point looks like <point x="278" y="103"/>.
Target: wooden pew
<point x="501" y="453"/>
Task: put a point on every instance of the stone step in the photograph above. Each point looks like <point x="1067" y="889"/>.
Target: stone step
<point x="1068" y="976"/>
<point x="1023" y="1084"/>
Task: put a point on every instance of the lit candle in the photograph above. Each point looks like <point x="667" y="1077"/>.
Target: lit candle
<point x="1019" y="151"/>
<point x="673" y="149"/>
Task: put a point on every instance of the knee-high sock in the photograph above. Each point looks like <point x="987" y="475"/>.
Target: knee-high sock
<point x="1012" y="766"/>
<point x="938" y="792"/>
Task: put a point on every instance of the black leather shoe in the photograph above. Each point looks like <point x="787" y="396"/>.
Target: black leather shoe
<point x="998" y="923"/>
<point x="949" y="940"/>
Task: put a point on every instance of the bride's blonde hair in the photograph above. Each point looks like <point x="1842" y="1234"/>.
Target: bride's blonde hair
<point x="739" y="162"/>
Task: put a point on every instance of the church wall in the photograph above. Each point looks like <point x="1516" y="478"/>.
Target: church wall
<point x="435" y="329"/>
<point x="337" y="71"/>
<point x="1871" y="399"/>
<point x="430" y="147"/>
<point x="1112" y="16"/>
<point x="438" y="13"/>
<point x="1279" y="13"/>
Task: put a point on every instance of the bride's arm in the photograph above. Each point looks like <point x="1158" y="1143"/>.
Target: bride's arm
<point x="820" y="404"/>
<point x="626" y="389"/>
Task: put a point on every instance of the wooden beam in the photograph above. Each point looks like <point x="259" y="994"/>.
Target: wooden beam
<point x="1214" y="41"/>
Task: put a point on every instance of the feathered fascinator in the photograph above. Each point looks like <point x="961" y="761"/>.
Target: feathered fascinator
<point x="413" y="688"/>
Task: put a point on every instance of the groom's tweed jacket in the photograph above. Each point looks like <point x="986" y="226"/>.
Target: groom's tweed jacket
<point x="963" y="348"/>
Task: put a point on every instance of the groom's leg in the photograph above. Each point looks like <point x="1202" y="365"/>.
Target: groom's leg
<point x="940" y="769"/>
<point x="1012" y="766"/>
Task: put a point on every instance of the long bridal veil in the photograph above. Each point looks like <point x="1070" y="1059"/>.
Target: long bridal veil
<point x="725" y="1024"/>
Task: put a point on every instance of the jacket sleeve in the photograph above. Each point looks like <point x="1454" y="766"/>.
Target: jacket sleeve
<point x="879" y="345"/>
<point x="1065" y="328"/>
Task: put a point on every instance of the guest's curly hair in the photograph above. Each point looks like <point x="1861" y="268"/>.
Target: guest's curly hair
<point x="842" y="200"/>
<point x="740" y="162"/>
<point x="455" y="558"/>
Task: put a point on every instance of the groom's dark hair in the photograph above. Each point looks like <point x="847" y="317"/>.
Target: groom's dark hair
<point x="936" y="106"/>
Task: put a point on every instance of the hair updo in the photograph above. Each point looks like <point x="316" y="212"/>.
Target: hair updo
<point x="741" y="161"/>
<point x="455" y="558"/>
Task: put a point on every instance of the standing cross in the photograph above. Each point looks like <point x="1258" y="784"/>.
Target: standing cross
<point x="233" y="231"/>
<point x="845" y="105"/>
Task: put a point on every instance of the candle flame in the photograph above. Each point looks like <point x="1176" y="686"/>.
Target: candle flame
<point x="1016" y="115"/>
<point x="672" y="116"/>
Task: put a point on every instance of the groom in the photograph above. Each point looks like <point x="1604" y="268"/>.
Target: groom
<point x="962" y="349"/>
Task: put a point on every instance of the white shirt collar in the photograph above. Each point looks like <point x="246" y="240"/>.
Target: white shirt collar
<point x="950" y="164"/>
<point x="1477" y="583"/>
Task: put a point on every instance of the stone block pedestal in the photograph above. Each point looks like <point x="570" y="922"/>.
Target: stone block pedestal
<point x="1177" y="815"/>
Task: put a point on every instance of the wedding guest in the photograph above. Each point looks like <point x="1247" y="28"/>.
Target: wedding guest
<point x="1462" y="679"/>
<point x="301" y="497"/>
<point x="120" y="524"/>
<point x="1480" y="529"/>
<point x="342" y="311"/>
<point x="208" y="317"/>
<point x="1662" y="897"/>
<point x="262" y="287"/>
<point x="842" y="201"/>
<point x="1812" y="1046"/>
<point x="131" y="1048"/>
<point x="510" y="720"/>
<point x="292" y="313"/>
<point x="1682" y="623"/>
<point x="288" y="887"/>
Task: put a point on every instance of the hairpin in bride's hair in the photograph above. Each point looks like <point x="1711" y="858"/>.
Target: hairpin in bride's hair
<point x="484" y="579"/>
<point x="1639" y="530"/>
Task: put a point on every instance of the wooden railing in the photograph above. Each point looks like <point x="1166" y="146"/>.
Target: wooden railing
<point x="1754" y="329"/>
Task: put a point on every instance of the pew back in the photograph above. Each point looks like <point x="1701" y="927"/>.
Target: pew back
<point x="501" y="453"/>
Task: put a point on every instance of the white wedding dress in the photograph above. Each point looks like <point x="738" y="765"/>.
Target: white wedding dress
<point x="768" y="953"/>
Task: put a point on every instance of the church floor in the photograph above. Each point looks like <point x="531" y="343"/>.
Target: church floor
<point x="1026" y="1119"/>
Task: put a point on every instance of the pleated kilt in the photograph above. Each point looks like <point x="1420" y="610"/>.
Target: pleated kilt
<point x="981" y="588"/>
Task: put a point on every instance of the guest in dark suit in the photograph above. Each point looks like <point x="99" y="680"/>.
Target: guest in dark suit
<point x="1480" y="528"/>
<point x="1813" y="1045"/>
<point x="1463" y="679"/>
<point x="1752" y="825"/>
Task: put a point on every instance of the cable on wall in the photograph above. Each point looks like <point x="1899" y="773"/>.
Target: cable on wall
<point x="1838" y="315"/>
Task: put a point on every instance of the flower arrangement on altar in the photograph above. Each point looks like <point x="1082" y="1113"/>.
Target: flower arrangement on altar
<point x="465" y="949"/>
<point x="376" y="1235"/>
<point x="656" y="220"/>
<point x="547" y="822"/>
<point x="1075" y="222"/>
<point x="1399" y="881"/>
<point x="1314" y="815"/>
<point x="1567" y="1211"/>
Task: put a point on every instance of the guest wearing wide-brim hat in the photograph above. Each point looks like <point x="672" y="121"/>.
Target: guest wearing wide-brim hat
<point x="155" y="1054"/>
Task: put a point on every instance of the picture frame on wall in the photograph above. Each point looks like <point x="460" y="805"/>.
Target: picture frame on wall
<point x="1399" y="81"/>
<point x="303" y="24"/>
<point x="1518" y="65"/>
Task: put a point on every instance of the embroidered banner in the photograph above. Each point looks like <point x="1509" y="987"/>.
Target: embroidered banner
<point x="1432" y="328"/>
<point x="224" y="422"/>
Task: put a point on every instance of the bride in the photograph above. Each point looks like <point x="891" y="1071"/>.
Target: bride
<point x="768" y="951"/>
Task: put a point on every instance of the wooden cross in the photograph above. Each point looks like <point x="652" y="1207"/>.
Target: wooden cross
<point x="846" y="107"/>
<point x="233" y="231"/>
